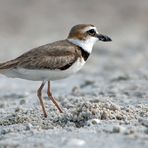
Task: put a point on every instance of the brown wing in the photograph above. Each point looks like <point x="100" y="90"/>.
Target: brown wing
<point x="47" y="61"/>
<point x="8" y="65"/>
<point x="58" y="55"/>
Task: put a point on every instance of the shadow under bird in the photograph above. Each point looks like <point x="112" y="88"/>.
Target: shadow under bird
<point x="55" y="60"/>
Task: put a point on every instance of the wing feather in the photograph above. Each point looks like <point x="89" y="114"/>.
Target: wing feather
<point x="57" y="55"/>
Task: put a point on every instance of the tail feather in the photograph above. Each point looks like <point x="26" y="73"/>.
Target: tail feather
<point x="8" y="65"/>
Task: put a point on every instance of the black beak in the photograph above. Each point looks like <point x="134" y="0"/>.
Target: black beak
<point x="103" y="38"/>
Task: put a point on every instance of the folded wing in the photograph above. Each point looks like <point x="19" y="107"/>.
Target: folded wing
<point x="50" y="56"/>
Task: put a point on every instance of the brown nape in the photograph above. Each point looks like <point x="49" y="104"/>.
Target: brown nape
<point x="76" y="31"/>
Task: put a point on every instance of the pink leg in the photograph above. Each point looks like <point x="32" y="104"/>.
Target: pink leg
<point x="39" y="94"/>
<point x="52" y="98"/>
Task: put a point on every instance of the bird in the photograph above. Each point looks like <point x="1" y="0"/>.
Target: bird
<point x="55" y="61"/>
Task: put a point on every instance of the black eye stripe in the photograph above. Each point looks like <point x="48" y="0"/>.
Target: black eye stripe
<point x="91" y="32"/>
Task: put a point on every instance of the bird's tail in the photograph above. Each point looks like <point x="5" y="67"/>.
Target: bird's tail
<point x="7" y="65"/>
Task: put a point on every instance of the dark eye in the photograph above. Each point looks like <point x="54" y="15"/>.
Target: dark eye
<point x="91" y="32"/>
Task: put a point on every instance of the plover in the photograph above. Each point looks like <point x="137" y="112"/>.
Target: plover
<point x="55" y="60"/>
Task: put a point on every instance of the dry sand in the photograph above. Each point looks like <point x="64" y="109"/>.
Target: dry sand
<point x="105" y="104"/>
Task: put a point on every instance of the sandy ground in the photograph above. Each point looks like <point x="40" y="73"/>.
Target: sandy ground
<point x="105" y="104"/>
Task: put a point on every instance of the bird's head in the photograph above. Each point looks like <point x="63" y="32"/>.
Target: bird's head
<point x="85" y="36"/>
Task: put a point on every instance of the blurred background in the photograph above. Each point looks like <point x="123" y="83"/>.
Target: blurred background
<point x="25" y="24"/>
<point x="116" y="72"/>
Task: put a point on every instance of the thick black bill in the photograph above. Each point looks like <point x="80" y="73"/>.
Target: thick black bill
<point x="103" y="38"/>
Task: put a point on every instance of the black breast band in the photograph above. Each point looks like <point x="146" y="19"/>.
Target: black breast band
<point x="84" y="54"/>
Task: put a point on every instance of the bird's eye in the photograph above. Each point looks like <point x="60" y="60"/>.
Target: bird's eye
<point x="91" y="32"/>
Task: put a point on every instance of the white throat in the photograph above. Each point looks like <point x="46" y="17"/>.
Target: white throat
<point x="87" y="45"/>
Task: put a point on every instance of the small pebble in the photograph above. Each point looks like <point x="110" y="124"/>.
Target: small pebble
<point x="104" y="116"/>
<point x="119" y="129"/>
<point x="17" y="109"/>
<point x="3" y="131"/>
<point x="22" y="102"/>
<point x="76" y="142"/>
<point x="93" y="121"/>
<point x="143" y="122"/>
<point x="146" y="131"/>
<point x="29" y="126"/>
<point x="2" y="105"/>
<point x="114" y="107"/>
<point x="76" y="90"/>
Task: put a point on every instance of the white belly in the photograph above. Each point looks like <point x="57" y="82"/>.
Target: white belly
<point x="40" y="75"/>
